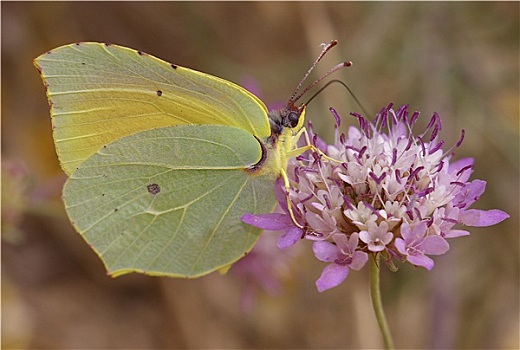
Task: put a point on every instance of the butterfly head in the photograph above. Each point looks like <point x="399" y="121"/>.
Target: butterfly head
<point x="287" y="117"/>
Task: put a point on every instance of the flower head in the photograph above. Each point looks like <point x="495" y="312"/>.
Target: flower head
<point x="379" y="189"/>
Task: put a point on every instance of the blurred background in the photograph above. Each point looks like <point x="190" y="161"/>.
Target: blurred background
<point x="459" y="59"/>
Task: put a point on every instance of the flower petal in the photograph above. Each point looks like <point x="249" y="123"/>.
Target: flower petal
<point x="401" y="246"/>
<point x="364" y="236"/>
<point x="325" y="251"/>
<point x="281" y="196"/>
<point x="434" y="245"/>
<point x="358" y="260"/>
<point x="421" y="260"/>
<point x="470" y="193"/>
<point x="290" y="237"/>
<point x="459" y="164"/>
<point x="331" y="276"/>
<point x="456" y="233"/>
<point x="273" y="221"/>
<point x="482" y="218"/>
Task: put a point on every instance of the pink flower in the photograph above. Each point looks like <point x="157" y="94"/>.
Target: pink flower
<point x="415" y="244"/>
<point x="376" y="237"/>
<point x="343" y="256"/>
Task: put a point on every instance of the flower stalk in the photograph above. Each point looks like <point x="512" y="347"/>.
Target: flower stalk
<point x="377" y="302"/>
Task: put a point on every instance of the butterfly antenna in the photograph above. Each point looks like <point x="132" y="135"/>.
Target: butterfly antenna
<point x="334" y="69"/>
<point x="325" y="49"/>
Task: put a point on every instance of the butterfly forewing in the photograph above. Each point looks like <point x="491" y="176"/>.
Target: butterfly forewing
<point x="99" y="93"/>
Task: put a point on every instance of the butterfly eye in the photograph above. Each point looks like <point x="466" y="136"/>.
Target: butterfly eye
<point x="292" y="119"/>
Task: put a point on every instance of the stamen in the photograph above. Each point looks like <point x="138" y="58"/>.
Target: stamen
<point x="336" y="116"/>
<point x="431" y="122"/>
<point x="348" y="202"/>
<point x="377" y="179"/>
<point x="467" y="167"/>
<point x="394" y="156"/>
<point x="327" y="201"/>
<point x="461" y="138"/>
<point x="402" y="112"/>
<point x="343" y="140"/>
<point x="409" y="145"/>
<point x="307" y="198"/>
<point x="398" y="176"/>
<point x="415" y="172"/>
<point x="453" y="221"/>
<point x="439" y="167"/>
<point x="414" y="117"/>
<point x="422" y="146"/>
<point x="434" y="132"/>
<point x="362" y="151"/>
<point x="425" y="192"/>
<point x="418" y="213"/>
<point x="437" y="147"/>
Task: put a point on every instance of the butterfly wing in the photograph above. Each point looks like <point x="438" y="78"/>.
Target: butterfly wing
<point x="99" y="93"/>
<point x="168" y="201"/>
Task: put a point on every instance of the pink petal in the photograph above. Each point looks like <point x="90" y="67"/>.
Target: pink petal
<point x="281" y="196"/>
<point x="365" y="236"/>
<point x="470" y="193"/>
<point x="456" y="233"/>
<point x="421" y="260"/>
<point x="434" y="245"/>
<point x="290" y="237"/>
<point x="273" y="222"/>
<point x="325" y="251"/>
<point x="482" y="218"/>
<point x="459" y="164"/>
<point x="359" y="260"/>
<point x="400" y="245"/>
<point x="406" y="233"/>
<point x="375" y="248"/>
<point x="331" y="276"/>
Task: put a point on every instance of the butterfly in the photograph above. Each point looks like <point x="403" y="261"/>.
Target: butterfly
<point x="163" y="160"/>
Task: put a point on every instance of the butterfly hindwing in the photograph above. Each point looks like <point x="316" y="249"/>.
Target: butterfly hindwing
<point x="169" y="201"/>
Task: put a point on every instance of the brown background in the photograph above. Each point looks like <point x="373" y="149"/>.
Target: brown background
<point x="459" y="59"/>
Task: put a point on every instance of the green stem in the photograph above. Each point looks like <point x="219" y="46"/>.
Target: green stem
<point x="377" y="302"/>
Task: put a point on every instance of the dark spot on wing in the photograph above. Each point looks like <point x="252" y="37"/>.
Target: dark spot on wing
<point x="115" y="210"/>
<point x="108" y="44"/>
<point x="159" y="93"/>
<point x="153" y="189"/>
<point x="174" y="66"/>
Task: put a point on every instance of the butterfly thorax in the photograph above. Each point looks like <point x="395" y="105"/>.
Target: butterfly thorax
<point x="286" y="124"/>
